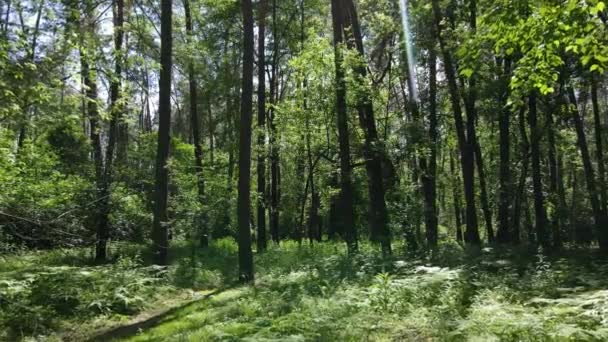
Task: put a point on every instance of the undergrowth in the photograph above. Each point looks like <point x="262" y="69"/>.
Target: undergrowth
<point x="316" y="293"/>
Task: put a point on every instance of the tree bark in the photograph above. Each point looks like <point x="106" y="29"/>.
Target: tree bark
<point x="540" y="215"/>
<point x="521" y="185"/>
<point x="599" y="144"/>
<point x="601" y="221"/>
<point x="103" y="232"/>
<point x="431" y="175"/>
<point x="261" y="150"/>
<point x="456" y="200"/>
<point x="503" y="234"/>
<point x="195" y="127"/>
<point x="243" y="201"/>
<point x="471" y="113"/>
<point x="373" y="151"/>
<point x="161" y="220"/>
<point x="345" y="201"/>
<point x="466" y="147"/>
<point x="274" y="153"/>
<point x="553" y="180"/>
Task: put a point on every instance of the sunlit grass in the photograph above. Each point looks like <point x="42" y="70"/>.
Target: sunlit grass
<point x="319" y="293"/>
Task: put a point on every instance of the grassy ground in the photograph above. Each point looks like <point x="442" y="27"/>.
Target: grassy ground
<point x="306" y="294"/>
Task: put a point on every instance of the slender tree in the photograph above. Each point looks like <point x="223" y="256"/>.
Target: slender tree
<point x="503" y="234"/>
<point x="373" y="151"/>
<point x="103" y="228"/>
<point x="430" y="177"/>
<point x="261" y="150"/>
<point x="274" y="150"/>
<point x="243" y="201"/>
<point x="161" y="219"/>
<point x="540" y="215"/>
<point x="194" y="126"/>
<point x="599" y="144"/>
<point x="601" y="220"/>
<point x="345" y="201"/>
<point x="466" y="147"/>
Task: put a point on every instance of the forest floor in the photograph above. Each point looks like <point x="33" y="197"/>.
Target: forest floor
<point x="305" y="293"/>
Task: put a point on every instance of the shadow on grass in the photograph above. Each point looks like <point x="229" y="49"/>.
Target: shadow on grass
<point x="124" y="331"/>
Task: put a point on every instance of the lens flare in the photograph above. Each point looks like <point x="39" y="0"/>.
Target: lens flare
<point x="411" y="62"/>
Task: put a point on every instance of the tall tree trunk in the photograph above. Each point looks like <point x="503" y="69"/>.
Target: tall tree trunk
<point x="211" y="126"/>
<point x="103" y="232"/>
<point x="456" y="199"/>
<point x="244" y="205"/>
<point x="471" y="113"/>
<point x="521" y="185"/>
<point x="261" y="150"/>
<point x="148" y="115"/>
<point x="553" y="189"/>
<point x="599" y="144"/>
<point x="373" y="151"/>
<point x="89" y="77"/>
<point x="540" y="215"/>
<point x="345" y="203"/>
<point x="467" y="148"/>
<point x="431" y="176"/>
<point x="274" y="153"/>
<point x="601" y="221"/>
<point x="561" y="193"/>
<point x="314" y="221"/>
<point x="427" y="176"/>
<point x="503" y="234"/>
<point x="485" y="202"/>
<point x="194" y="126"/>
<point x="161" y="220"/>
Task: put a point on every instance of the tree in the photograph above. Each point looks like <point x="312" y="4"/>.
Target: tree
<point x="243" y="201"/>
<point x="194" y="123"/>
<point x="540" y="215"/>
<point x="345" y="201"/>
<point x="504" y="233"/>
<point x="275" y="174"/>
<point x="261" y="168"/>
<point x="373" y="151"/>
<point x="161" y="219"/>
<point x="600" y="216"/>
<point x="466" y="146"/>
<point x="115" y="111"/>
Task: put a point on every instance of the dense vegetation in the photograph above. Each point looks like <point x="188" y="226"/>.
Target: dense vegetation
<point x="317" y="170"/>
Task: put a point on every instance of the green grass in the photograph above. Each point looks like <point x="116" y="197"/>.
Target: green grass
<point x="318" y="293"/>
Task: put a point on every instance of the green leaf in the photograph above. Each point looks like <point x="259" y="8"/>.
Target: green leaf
<point x="468" y="72"/>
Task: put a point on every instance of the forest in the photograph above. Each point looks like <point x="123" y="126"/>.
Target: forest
<point x="303" y="170"/>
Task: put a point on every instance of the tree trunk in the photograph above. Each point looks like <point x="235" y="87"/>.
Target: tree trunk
<point x="540" y="214"/>
<point x="161" y="220"/>
<point x="456" y="199"/>
<point x="244" y="207"/>
<point x="553" y="190"/>
<point x="373" y="151"/>
<point x="503" y="235"/>
<point x="599" y="144"/>
<point x="471" y="113"/>
<point x="521" y="185"/>
<point x="345" y="203"/>
<point x="429" y="178"/>
<point x="466" y="147"/>
<point x="274" y="153"/>
<point x="103" y="232"/>
<point x="194" y="123"/>
<point x="261" y="150"/>
<point x="601" y="221"/>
